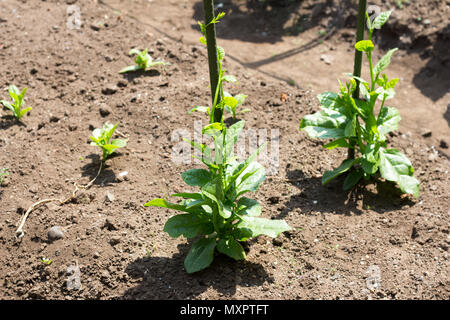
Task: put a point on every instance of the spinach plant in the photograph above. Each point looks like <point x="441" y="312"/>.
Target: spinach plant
<point x="219" y="216"/>
<point x="102" y="138"/>
<point x="16" y="107"/>
<point x="353" y="123"/>
<point x="143" y="61"/>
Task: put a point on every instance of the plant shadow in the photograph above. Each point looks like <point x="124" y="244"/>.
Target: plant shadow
<point x="9" y="121"/>
<point x="130" y="76"/>
<point x="165" y="277"/>
<point x="90" y="170"/>
<point x="379" y="196"/>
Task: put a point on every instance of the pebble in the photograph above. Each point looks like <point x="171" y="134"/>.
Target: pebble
<point x="110" y="89"/>
<point x="327" y="58"/>
<point x="73" y="281"/>
<point x="55" y="233"/>
<point x="109" y="196"/>
<point x="104" y="110"/>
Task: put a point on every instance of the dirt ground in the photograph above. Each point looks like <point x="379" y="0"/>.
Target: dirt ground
<point x="368" y="244"/>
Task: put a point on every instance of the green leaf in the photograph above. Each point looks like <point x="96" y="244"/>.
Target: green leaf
<point x="130" y="69"/>
<point x="229" y="78"/>
<point x="196" y="177"/>
<point x="388" y="120"/>
<point x="328" y="99"/>
<point x="6" y="104"/>
<point x="350" y="127"/>
<point x="380" y="20"/>
<point x="364" y="45"/>
<point x="258" y="226"/>
<point x="119" y="143"/>
<point x="345" y="166"/>
<point x="385" y="61"/>
<point x="189" y="225"/>
<point x="188" y="195"/>
<point x="324" y="124"/>
<point x="250" y="179"/>
<point x="339" y="143"/>
<point x="231" y="248"/>
<point x="200" y="109"/>
<point x="165" y="204"/>
<point x="395" y="166"/>
<point x="24" y="112"/>
<point x="249" y="207"/>
<point x="220" y="53"/>
<point x="213" y="129"/>
<point x="232" y="135"/>
<point x="352" y="179"/>
<point x="201" y="255"/>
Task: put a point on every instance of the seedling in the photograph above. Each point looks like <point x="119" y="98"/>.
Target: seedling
<point x="352" y="123"/>
<point x="218" y="215"/>
<point x="143" y="61"/>
<point x="17" y="96"/>
<point x="102" y="138"/>
<point x="3" y="174"/>
<point x="232" y="105"/>
<point x="46" y="261"/>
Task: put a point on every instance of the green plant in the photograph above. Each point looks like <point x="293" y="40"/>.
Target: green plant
<point x="232" y="103"/>
<point x="102" y="138"/>
<point x="3" y="174"/>
<point x="46" y="261"/>
<point x="17" y="96"/>
<point x="352" y="123"/>
<point x="143" y="61"/>
<point x="218" y="215"/>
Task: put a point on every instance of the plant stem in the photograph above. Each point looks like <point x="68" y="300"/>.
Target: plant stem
<point x="361" y="22"/>
<point x="208" y="7"/>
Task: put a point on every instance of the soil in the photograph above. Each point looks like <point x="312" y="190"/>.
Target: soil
<point x="371" y="243"/>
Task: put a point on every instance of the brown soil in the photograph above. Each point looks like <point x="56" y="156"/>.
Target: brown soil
<point x="339" y="243"/>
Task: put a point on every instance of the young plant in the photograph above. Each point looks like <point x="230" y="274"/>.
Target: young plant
<point x="16" y="107"/>
<point x="102" y="138"/>
<point x="353" y="123"/>
<point x="143" y="61"/>
<point x="219" y="216"/>
<point x="232" y="103"/>
<point x="3" y="174"/>
<point x="46" y="261"/>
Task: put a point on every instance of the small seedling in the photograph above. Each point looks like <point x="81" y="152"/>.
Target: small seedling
<point x="17" y="97"/>
<point x="143" y="61"/>
<point x="46" y="261"/>
<point x="3" y="174"/>
<point x="352" y="123"/>
<point x="232" y="103"/>
<point x="102" y="138"/>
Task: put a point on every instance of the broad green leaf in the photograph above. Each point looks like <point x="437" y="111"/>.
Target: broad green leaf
<point x="385" y="61"/>
<point x="109" y="147"/>
<point x="381" y="19"/>
<point x="6" y="104"/>
<point x="232" y="135"/>
<point x="188" y="225"/>
<point x="339" y="143"/>
<point x="324" y="124"/>
<point x="395" y="166"/>
<point x="196" y="177"/>
<point x="188" y="195"/>
<point x="165" y="204"/>
<point x="213" y="129"/>
<point x="352" y="179"/>
<point x="230" y="102"/>
<point x="119" y="143"/>
<point x="250" y="179"/>
<point x="200" y="109"/>
<point x="240" y="98"/>
<point x="201" y="255"/>
<point x="259" y="226"/>
<point x="231" y="248"/>
<point x="242" y="234"/>
<point x="229" y="78"/>
<point x="364" y="46"/>
<point x="345" y="166"/>
<point x="249" y="207"/>
<point x="388" y="120"/>
<point x="350" y="127"/>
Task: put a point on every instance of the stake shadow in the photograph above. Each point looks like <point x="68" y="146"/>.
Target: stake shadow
<point x="165" y="277"/>
<point x="379" y="196"/>
<point x="447" y="115"/>
<point x="90" y="170"/>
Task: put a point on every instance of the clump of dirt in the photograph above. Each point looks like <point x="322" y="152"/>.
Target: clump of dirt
<point x="367" y="244"/>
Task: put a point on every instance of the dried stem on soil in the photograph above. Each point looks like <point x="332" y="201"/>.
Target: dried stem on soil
<point x="20" y="233"/>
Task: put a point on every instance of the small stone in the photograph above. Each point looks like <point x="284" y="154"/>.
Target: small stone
<point x="327" y="58"/>
<point x="426" y="133"/>
<point x="114" y="240"/>
<point x="73" y="281"/>
<point x="54" y="118"/>
<point x="443" y="144"/>
<point x="55" y="233"/>
<point x="95" y="27"/>
<point x="109" y="90"/>
<point x="104" y="111"/>
<point x="109" y="197"/>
